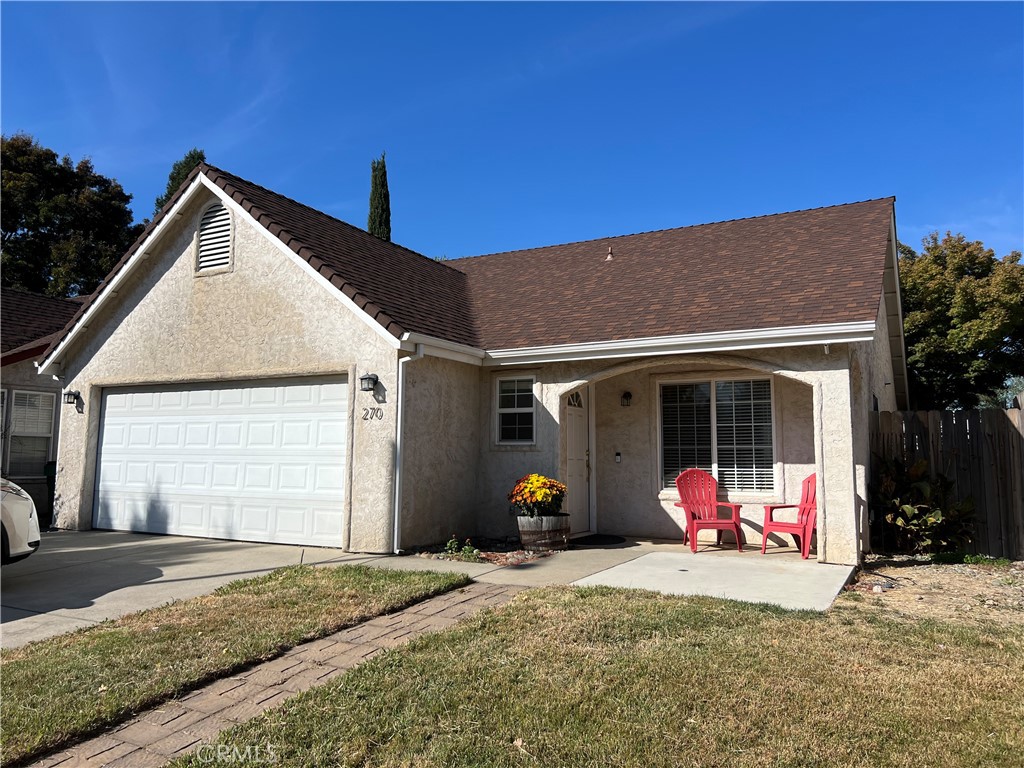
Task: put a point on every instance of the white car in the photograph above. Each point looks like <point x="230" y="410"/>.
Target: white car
<point x="20" y="524"/>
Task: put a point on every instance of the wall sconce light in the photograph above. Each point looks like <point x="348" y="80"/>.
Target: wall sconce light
<point x="71" y="396"/>
<point x="626" y="400"/>
<point x="368" y="382"/>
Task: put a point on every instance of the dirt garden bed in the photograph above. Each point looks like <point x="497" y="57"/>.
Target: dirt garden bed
<point x="914" y="586"/>
<point x="499" y="552"/>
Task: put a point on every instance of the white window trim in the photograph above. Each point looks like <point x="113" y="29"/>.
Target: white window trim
<point x="498" y="411"/>
<point x="8" y="428"/>
<point x="230" y="266"/>
<point x="778" y="473"/>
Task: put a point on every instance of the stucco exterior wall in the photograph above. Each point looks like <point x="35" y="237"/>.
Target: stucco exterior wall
<point x="813" y="422"/>
<point x="24" y="376"/>
<point x="440" y="455"/>
<point x="502" y="465"/>
<point x="633" y="501"/>
<point x="872" y="382"/>
<point x="265" y="318"/>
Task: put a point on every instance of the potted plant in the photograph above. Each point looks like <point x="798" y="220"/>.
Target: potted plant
<point x="537" y="502"/>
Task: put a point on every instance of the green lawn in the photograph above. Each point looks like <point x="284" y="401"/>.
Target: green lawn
<point x="59" y="689"/>
<point x="602" y="677"/>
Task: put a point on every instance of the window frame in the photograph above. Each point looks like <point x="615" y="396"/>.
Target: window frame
<point x="199" y="271"/>
<point x="498" y="410"/>
<point x="8" y="429"/>
<point x="713" y="379"/>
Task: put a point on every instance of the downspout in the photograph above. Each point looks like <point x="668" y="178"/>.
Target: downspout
<point x="399" y="428"/>
<point x="818" y="404"/>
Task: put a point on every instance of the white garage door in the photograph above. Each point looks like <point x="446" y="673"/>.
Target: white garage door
<point x="252" y="461"/>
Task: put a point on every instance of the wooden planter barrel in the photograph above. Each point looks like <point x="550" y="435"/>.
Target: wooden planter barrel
<point x="544" y="533"/>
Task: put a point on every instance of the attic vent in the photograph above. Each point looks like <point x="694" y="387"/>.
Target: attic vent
<point x="214" y="238"/>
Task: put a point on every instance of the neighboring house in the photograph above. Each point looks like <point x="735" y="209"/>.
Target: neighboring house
<point x="29" y="409"/>
<point x="256" y="369"/>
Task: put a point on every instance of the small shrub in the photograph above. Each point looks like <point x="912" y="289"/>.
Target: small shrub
<point x="466" y="552"/>
<point x="918" y="510"/>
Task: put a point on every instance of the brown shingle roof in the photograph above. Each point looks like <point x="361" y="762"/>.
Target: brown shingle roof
<point x="804" y="268"/>
<point x="792" y="269"/>
<point x="26" y="317"/>
<point x="401" y="289"/>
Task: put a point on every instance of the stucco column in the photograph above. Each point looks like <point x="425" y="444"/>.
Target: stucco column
<point x="834" y="459"/>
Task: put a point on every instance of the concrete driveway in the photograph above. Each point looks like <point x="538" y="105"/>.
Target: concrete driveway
<point x="78" y="579"/>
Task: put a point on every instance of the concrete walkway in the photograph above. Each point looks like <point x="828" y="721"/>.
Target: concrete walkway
<point x="184" y="725"/>
<point x="78" y="579"/>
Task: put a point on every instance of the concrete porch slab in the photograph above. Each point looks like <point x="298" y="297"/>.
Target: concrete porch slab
<point x="749" y="576"/>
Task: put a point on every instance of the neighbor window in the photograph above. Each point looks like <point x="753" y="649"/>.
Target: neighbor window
<point x="723" y="427"/>
<point x="515" y="410"/>
<point x="31" y="430"/>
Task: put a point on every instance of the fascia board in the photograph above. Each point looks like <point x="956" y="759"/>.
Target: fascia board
<point x="110" y="290"/>
<point x="900" y="370"/>
<point x="448" y="350"/>
<point x="761" y="338"/>
<point x="305" y="265"/>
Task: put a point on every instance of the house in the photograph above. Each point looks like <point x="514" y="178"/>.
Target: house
<point x="29" y="411"/>
<point x="255" y="369"/>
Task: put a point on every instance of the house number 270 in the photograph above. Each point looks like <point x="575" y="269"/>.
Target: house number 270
<point x="373" y="414"/>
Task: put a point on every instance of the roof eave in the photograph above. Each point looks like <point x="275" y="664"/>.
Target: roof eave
<point x="438" y="347"/>
<point x="719" y="341"/>
<point x="109" y="290"/>
<point x="894" y="312"/>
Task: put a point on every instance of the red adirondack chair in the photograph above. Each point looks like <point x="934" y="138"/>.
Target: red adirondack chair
<point x="806" y="519"/>
<point x="698" y="496"/>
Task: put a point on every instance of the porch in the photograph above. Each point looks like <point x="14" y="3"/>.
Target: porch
<point x="760" y="425"/>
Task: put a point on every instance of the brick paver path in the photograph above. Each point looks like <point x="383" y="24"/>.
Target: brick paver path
<point x="181" y="725"/>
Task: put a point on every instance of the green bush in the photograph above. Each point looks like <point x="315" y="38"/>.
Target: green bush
<point x="918" y="510"/>
<point x="467" y="553"/>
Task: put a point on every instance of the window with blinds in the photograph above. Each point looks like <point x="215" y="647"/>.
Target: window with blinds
<point x="214" y="239"/>
<point x="30" y="433"/>
<point x="723" y="427"/>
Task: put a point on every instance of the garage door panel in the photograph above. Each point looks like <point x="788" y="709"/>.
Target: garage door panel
<point x="255" y="462"/>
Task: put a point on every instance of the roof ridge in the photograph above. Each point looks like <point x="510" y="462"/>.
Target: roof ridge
<point x="676" y="229"/>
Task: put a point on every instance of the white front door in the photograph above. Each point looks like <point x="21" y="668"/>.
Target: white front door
<point x="578" y="462"/>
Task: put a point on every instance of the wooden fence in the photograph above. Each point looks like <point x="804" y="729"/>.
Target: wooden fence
<point x="981" y="452"/>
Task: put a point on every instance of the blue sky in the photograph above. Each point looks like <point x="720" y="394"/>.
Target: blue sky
<point x="515" y="125"/>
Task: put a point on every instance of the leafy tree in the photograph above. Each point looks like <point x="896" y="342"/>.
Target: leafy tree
<point x="963" y="313"/>
<point x="64" y="226"/>
<point x="378" y="223"/>
<point x="1004" y="397"/>
<point x="179" y="172"/>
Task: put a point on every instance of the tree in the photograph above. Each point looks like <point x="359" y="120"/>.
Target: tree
<point x="378" y="223"/>
<point x="64" y="226"/>
<point x="963" y="318"/>
<point x="179" y="172"/>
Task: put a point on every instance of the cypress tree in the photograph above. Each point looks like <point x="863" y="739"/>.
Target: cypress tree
<point x="378" y="223"/>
